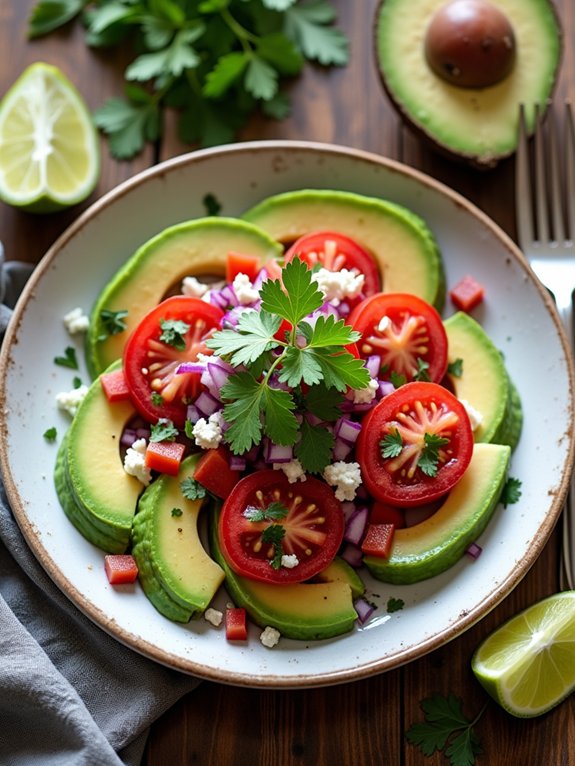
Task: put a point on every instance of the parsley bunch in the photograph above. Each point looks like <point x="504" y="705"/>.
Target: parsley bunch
<point x="215" y="61"/>
<point x="278" y="381"/>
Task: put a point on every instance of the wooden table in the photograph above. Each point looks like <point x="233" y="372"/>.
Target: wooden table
<point x="359" y="723"/>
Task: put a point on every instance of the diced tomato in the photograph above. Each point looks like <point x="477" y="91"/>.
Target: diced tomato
<point x="383" y="513"/>
<point x="165" y="457"/>
<point x="115" y="386"/>
<point x="120" y="568"/>
<point x="214" y="473"/>
<point x="242" y="263"/>
<point x="236" y="624"/>
<point x="378" y="539"/>
<point x="467" y="294"/>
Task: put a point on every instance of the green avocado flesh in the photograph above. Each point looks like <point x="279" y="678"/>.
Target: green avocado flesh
<point x="478" y="124"/>
<point x="176" y="573"/>
<point x="404" y="248"/>
<point x="92" y="469"/>
<point x="429" y="548"/>
<point x="303" y="611"/>
<point x="194" y="248"/>
<point x="484" y="382"/>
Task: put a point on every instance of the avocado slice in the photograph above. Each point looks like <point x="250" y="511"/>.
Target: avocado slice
<point x="484" y="381"/>
<point x="194" y="248"/>
<point x="304" y="611"/>
<point x="434" y="545"/>
<point x="477" y="125"/>
<point x="176" y="573"/>
<point x="403" y="246"/>
<point x="104" y="493"/>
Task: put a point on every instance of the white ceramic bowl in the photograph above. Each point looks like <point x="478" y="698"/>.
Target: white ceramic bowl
<point x="517" y="314"/>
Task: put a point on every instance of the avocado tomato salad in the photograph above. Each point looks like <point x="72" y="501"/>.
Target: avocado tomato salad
<point x="288" y="378"/>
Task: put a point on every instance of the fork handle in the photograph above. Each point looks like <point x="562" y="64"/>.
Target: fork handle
<point x="567" y="573"/>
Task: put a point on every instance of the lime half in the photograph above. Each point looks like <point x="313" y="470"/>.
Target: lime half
<point x="49" y="146"/>
<point x="528" y="664"/>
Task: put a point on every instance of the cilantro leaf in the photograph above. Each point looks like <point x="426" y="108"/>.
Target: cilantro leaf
<point x="314" y="450"/>
<point x="243" y="412"/>
<point x="300" y="297"/>
<point x="281" y="424"/>
<point x="391" y="444"/>
<point x="51" y="434"/>
<point x="328" y="331"/>
<point x="281" y="53"/>
<point x="211" y="204"/>
<point x="394" y="605"/>
<point x="127" y="125"/>
<point x="455" y="368"/>
<point x="274" y="534"/>
<point x="112" y="323"/>
<point x="422" y="370"/>
<point x="511" y="492"/>
<point x="174" y="333"/>
<point x="307" y="25"/>
<point x="429" y="458"/>
<point x="299" y="365"/>
<point x="324" y="403"/>
<point x="227" y="70"/>
<point x="253" y="337"/>
<point x="397" y="378"/>
<point x="192" y="489"/>
<point x="275" y="511"/>
<point x="48" y="15"/>
<point x="176" y="512"/>
<point x="340" y="369"/>
<point x="261" y="79"/>
<point x="163" y="431"/>
<point x="68" y="360"/>
<point x="174" y="59"/>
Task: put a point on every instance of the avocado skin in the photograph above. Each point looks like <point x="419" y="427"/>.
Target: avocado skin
<point x="264" y="614"/>
<point x="512" y="424"/>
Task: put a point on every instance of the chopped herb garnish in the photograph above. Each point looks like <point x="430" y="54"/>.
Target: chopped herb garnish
<point x="422" y="370"/>
<point x="192" y="489"/>
<point x="112" y="323"/>
<point x="68" y="360"/>
<point x="429" y="457"/>
<point x="455" y="368"/>
<point x="394" y="604"/>
<point x="176" y="511"/>
<point x="157" y="399"/>
<point x="398" y="379"/>
<point x="174" y="333"/>
<point x="446" y="729"/>
<point x="77" y="382"/>
<point x="511" y="491"/>
<point x="50" y="434"/>
<point x="274" y="534"/>
<point x="275" y="511"/>
<point x="391" y="444"/>
<point x="163" y="431"/>
<point x="211" y="204"/>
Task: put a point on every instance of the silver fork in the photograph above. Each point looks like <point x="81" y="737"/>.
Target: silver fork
<point x="545" y="212"/>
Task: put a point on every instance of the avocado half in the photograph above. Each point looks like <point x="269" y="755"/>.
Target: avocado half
<point x="477" y="125"/>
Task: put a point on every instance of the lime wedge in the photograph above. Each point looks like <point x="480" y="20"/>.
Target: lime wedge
<point x="528" y="664"/>
<point x="49" y="146"/>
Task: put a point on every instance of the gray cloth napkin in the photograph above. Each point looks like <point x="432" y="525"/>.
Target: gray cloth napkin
<point x="70" y="695"/>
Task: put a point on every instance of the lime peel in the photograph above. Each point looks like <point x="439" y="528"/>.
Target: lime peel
<point x="49" y="145"/>
<point x="528" y="664"/>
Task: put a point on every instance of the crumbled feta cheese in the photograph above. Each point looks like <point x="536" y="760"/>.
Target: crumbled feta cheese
<point x="193" y="287"/>
<point x="338" y="285"/>
<point x="475" y="416"/>
<point x="293" y="470"/>
<point x="345" y="477"/>
<point x="135" y="462"/>
<point x="245" y="291"/>
<point x="270" y="637"/>
<point x="367" y="394"/>
<point x="208" y="433"/>
<point x="69" y="401"/>
<point x="214" y="616"/>
<point x="384" y="324"/>
<point x="289" y="560"/>
<point x="76" y="321"/>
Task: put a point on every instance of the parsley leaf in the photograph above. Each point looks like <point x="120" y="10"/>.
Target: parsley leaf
<point x="112" y="323"/>
<point x="429" y="457"/>
<point x="163" y="431"/>
<point x="48" y="15"/>
<point x="511" y="492"/>
<point x="391" y="444"/>
<point x="253" y="337"/>
<point x="68" y="360"/>
<point x="298" y="297"/>
<point x="174" y="332"/>
<point x="275" y="511"/>
<point x="446" y="726"/>
<point x="307" y="25"/>
<point x="315" y="447"/>
<point x="192" y="489"/>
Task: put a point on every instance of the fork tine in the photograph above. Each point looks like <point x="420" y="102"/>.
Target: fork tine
<point x="570" y="170"/>
<point x="540" y="180"/>
<point x="554" y="180"/>
<point x="523" y="211"/>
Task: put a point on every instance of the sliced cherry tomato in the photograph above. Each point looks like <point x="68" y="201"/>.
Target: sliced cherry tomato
<point x="414" y="445"/>
<point x="467" y="294"/>
<point x="242" y="263"/>
<point x="335" y="252"/>
<point x="406" y="333"/>
<point x="165" y="457"/>
<point x="378" y="540"/>
<point x="214" y="473"/>
<point x="114" y="386"/>
<point x="120" y="568"/>
<point x="154" y="352"/>
<point x="303" y="521"/>
<point x="236" y="624"/>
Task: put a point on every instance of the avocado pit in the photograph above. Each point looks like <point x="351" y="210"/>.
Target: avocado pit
<point x="470" y="43"/>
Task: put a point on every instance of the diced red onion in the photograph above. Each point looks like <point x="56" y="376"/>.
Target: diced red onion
<point x="385" y="388"/>
<point x="142" y="433"/>
<point x="278" y="453"/>
<point x="347" y="430"/>
<point x="373" y="365"/>
<point x="261" y="277"/>
<point x="352" y="555"/>
<point x="313" y="420"/>
<point x="192" y="413"/>
<point x="187" y="367"/>
<point x="229" y="294"/>
<point x="219" y="372"/>
<point x="237" y="463"/>
<point x="348" y="508"/>
<point x="474" y="551"/>
<point x="344" y="309"/>
<point x="206" y="404"/>
<point x="364" y="609"/>
<point x="341" y="449"/>
<point x="356" y="526"/>
<point x="128" y="437"/>
<point x="217" y="299"/>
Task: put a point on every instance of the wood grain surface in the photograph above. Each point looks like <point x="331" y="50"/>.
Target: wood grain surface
<point x="361" y="723"/>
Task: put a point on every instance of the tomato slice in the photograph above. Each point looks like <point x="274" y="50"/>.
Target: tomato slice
<point x="265" y="516"/>
<point x="414" y="445"/>
<point x="335" y="252"/>
<point x="153" y="353"/>
<point x="407" y="334"/>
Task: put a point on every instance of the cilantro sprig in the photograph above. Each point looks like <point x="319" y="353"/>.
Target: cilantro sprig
<point x="428" y="459"/>
<point x="215" y="61"/>
<point x="265" y="396"/>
